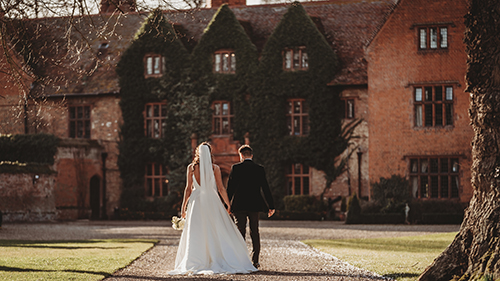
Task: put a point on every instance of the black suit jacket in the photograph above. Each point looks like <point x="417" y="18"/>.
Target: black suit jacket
<point x="244" y="186"/>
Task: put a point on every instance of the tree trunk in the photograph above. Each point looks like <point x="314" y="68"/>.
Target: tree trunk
<point x="475" y="252"/>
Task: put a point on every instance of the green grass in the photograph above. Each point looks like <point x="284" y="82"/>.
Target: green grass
<point x="67" y="260"/>
<point x="402" y="258"/>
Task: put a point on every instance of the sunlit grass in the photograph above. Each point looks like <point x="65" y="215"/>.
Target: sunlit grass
<point x="67" y="260"/>
<point x="400" y="258"/>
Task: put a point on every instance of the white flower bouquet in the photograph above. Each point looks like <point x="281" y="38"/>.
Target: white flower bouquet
<point x="178" y="223"/>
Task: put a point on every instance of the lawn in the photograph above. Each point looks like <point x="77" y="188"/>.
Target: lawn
<point x="67" y="260"/>
<point x="402" y="258"/>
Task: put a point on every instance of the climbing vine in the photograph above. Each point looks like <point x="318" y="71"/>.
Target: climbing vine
<point x="156" y="36"/>
<point x="225" y="32"/>
<point x="272" y="86"/>
<point x="258" y="92"/>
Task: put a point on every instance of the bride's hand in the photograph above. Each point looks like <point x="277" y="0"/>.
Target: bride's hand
<point x="183" y="215"/>
<point x="229" y="209"/>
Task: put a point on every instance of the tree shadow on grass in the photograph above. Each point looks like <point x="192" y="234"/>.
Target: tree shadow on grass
<point x="18" y="269"/>
<point x="400" y="275"/>
<point x="52" y="244"/>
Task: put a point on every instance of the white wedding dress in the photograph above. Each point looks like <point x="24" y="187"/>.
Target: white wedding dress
<point x="210" y="242"/>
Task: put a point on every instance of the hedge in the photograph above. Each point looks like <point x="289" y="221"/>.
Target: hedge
<point x="35" y="148"/>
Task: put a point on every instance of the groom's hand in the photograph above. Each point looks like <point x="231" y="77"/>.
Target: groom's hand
<point x="271" y="212"/>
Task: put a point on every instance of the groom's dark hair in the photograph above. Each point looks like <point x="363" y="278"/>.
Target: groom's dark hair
<point x="245" y="150"/>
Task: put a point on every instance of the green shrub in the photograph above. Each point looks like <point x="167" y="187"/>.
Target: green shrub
<point x="343" y="205"/>
<point x="353" y="206"/>
<point x="436" y="211"/>
<point x="391" y="194"/>
<point x="296" y="216"/>
<point x="303" y="203"/>
<point x="36" y="148"/>
<point x="370" y="207"/>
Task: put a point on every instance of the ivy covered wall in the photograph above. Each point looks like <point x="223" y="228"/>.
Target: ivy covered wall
<point x="272" y="86"/>
<point x="225" y="32"/>
<point x="258" y="93"/>
<point x="156" y="36"/>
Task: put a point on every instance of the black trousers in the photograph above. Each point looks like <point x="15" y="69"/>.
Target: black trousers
<point x="240" y="218"/>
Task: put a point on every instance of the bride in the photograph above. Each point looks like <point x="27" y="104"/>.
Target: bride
<point x="210" y="242"/>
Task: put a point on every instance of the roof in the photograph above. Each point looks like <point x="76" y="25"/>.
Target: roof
<point x="348" y="27"/>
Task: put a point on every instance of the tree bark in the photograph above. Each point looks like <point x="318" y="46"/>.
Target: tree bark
<point x="475" y="252"/>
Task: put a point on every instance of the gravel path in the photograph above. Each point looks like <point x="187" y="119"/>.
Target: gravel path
<point x="283" y="256"/>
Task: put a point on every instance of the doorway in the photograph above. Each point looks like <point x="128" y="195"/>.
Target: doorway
<point x="95" y="197"/>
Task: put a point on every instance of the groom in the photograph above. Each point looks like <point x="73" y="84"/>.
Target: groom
<point x="246" y="181"/>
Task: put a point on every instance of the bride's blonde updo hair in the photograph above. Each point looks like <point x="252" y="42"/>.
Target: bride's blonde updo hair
<point x="196" y="159"/>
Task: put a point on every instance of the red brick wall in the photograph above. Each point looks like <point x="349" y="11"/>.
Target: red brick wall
<point x="12" y="89"/>
<point x="105" y="123"/>
<point x="76" y="164"/>
<point x="24" y="198"/>
<point x="394" y="63"/>
<point x="348" y="183"/>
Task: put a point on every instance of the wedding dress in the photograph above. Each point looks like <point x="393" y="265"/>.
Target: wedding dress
<point x="210" y="242"/>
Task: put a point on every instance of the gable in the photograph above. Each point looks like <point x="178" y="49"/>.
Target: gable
<point x="77" y="69"/>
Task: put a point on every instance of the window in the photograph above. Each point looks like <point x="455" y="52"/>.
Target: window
<point x="434" y="177"/>
<point x="79" y="122"/>
<point x="432" y="38"/>
<point x="222" y="118"/>
<point x="295" y="59"/>
<point x="297" y="117"/>
<point x="156" y="182"/>
<point x="297" y="178"/>
<point x="224" y="61"/>
<point x="154" y="65"/>
<point x="155" y="121"/>
<point x="348" y="108"/>
<point x="433" y="106"/>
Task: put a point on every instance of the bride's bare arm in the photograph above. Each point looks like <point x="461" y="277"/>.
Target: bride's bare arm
<point x="220" y="187"/>
<point x="187" y="190"/>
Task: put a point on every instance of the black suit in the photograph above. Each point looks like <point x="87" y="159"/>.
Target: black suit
<point x="247" y="181"/>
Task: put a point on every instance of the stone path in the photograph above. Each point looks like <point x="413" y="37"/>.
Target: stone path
<point x="283" y="256"/>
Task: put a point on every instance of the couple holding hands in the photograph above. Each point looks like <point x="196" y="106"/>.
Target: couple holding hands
<point x="211" y="241"/>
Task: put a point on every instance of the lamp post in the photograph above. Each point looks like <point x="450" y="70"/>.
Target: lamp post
<point x="104" y="212"/>
<point x="360" y="154"/>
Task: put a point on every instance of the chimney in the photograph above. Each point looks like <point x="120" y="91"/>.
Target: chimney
<point x="120" y="6"/>
<point x="218" y="3"/>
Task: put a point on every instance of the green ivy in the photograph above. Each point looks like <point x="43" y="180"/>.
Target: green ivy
<point x="36" y="148"/>
<point x="156" y="36"/>
<point x="225" y="32"/>
<point x="257" y="91"/>
<point x="272" y="86"/>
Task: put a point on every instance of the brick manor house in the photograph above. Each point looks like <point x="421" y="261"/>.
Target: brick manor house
<point x="401" y="72"/>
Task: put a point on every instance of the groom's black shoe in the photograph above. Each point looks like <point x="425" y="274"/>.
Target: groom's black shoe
<point x="256" y="265"/>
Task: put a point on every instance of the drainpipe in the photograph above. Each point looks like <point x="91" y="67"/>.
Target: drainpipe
<point x="360" y="153"/>
<point x="104" y="212"/>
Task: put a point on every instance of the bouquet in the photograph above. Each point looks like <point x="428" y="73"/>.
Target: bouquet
<point x="178" y="223"/>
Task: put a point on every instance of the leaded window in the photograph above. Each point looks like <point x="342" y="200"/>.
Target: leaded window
<point x="434" y="177"/>
<point x="79" y="122"/>
<point x="295" y="59"/>
<point x="155" y="119"/>
<point x="433" y="106"/>
<point x="297" y="179"/>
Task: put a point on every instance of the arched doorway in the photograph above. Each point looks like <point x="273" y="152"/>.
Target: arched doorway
<point x="95" y="197"/>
